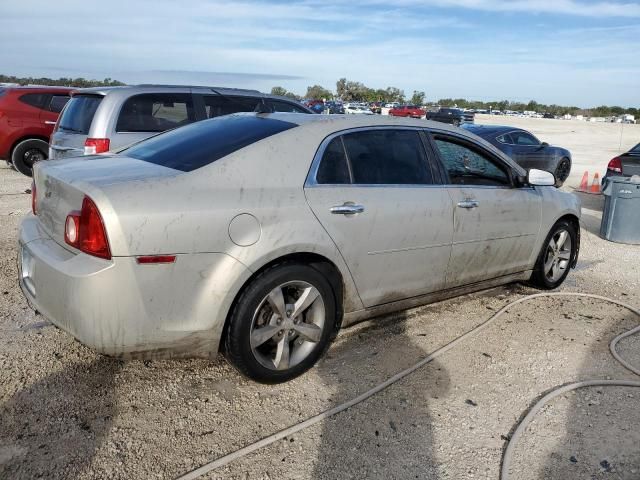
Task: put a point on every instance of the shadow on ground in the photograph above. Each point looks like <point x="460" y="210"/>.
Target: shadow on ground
<point x="54" y="427"/>
<point x="361" y="443"/>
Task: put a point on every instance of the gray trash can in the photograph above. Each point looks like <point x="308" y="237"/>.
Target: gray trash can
<point x="621" y="214"/>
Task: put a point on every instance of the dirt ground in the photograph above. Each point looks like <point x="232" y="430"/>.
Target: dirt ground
<point x="67" y="413"/>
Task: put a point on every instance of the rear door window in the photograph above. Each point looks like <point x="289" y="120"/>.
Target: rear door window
<point x="156" y="112"/>
<point x="333" y="169"/>
<point x="280" y="106"/>
<point x="218" y="105"/>
<point x="78" y="115"/>
<point x="387" y="157"/>
<point x="202" y="143"/>
<point x="36" y="100"/>
<point x="57" y="103"/>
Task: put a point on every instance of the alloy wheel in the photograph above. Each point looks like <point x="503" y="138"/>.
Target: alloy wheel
<point x="558" y="255"/>
<point x="287" y="325"/>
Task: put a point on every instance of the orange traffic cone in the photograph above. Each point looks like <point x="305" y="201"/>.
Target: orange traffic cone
<point x="595" y="186"/>
<point x="584" y="183"/>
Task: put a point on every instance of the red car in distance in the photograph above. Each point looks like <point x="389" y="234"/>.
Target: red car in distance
<point x="407" y="111"/>
<point x="27" y="118"/>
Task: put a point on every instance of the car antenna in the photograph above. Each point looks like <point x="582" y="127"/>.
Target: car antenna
<point x="262" y="107"/>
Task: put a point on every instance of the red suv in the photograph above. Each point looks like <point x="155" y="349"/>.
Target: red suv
<point x="27" y="118"/>
<point x="407" y="111"/>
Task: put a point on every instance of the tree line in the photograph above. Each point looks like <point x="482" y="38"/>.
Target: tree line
<point x="348" y="91"/>
<point x="352" y="91"/>
<point x="61" y="82"/>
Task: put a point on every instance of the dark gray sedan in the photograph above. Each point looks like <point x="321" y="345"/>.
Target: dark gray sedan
<point x="526" y="149"/>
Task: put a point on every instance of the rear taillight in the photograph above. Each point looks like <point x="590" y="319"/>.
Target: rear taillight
<point x="93" y="146"/>
<point x="85" y="230"/>
<point x="34" y="202"/>
<point x="615" y="165"/>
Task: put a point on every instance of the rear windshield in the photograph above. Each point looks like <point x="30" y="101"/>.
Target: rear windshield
<point x="201" y="143"/>
<point x="78" y="115"/>
<point x="636" y="149"/>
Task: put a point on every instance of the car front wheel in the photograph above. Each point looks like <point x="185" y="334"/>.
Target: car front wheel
<point x="281" y="324"/>
<point x="563" y="170"/>
<point x="556" y="256"/>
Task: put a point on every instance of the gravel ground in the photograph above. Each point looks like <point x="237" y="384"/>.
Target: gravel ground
<point x="66" y="412"/>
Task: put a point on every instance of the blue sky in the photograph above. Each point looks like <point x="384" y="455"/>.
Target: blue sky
<point x="581" y="52"/>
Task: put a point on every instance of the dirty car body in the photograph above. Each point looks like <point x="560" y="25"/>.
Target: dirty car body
<point x="191" y="219"/>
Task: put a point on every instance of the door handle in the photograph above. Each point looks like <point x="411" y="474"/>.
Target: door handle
<point x="348" y="208"/>
<point x="49" y="122"/>
<point x="469" y="204"/>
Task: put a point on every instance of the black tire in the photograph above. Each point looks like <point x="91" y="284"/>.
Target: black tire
<point x="562" y="171"/>
<point x="237" y="346"/>
<point x="539" y="278"/>
<point x="26" y="153"/>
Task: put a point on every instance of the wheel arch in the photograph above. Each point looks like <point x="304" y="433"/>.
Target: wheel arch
<point x="319" y="262"/>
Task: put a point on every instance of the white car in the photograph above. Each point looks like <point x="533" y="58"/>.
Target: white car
<point x="353" y="109"/>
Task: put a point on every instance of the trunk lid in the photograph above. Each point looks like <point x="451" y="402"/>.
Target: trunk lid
<point x="630" y="164"/>
<point x="61" y="186"/>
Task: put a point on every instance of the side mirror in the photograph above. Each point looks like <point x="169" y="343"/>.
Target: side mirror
<point x="544" y="144"/>
<point x="541" y="178"/>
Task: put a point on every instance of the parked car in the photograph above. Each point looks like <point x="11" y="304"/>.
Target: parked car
<point x="335" y="108"/>
<point x="354" y="109"/>
<point x="454" y="116"/>
<point x="407" y="111"/>
<point x="376" y="107"/>
<point x="101" y="119"/>
<point x="239" y="233"/>
<point x="27" y="117"/>
<point x="526" y="149"/>
<point x="626" y="164"/>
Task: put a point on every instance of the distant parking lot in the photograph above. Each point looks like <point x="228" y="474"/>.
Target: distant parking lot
<point x="592" y="144"/>
<point x="66" y="412"/>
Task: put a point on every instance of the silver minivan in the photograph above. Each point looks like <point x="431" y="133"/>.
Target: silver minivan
<point x="103" y="119"/>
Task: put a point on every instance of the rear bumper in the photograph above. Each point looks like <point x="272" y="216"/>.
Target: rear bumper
<point x="123" y="309"/>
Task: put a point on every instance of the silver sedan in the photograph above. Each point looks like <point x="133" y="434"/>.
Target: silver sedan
<point x="261" y="235"/>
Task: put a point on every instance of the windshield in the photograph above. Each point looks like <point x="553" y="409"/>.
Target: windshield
<point x="78" y="114"/>
<point x="636" y="149"/>
<point x="198" y="144"/>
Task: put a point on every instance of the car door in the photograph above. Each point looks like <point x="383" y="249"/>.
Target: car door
<point x="376" y="194"/>
<point x="527" y="150"/>
<point x="496" y="223"/>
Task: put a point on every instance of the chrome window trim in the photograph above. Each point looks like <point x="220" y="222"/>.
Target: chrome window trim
<point x="315" y="164"/>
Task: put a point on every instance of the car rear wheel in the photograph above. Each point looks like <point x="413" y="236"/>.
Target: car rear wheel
<point x="554" y="260"/>
<point x="281" y="324"/>
<point x="562" y="170"/>
<point x="27" y="153"/>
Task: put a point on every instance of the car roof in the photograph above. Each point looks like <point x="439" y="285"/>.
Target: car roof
<point x="325" y="125"/>
<point x="155" y="88"/>
<point x="33" y="88"/>
<point x="343" y="122"/>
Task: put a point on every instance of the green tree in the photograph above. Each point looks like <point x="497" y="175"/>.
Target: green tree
<point x="280" y="91"/>
<point x="316" y="92"/>
<point x="417" y="98"/>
